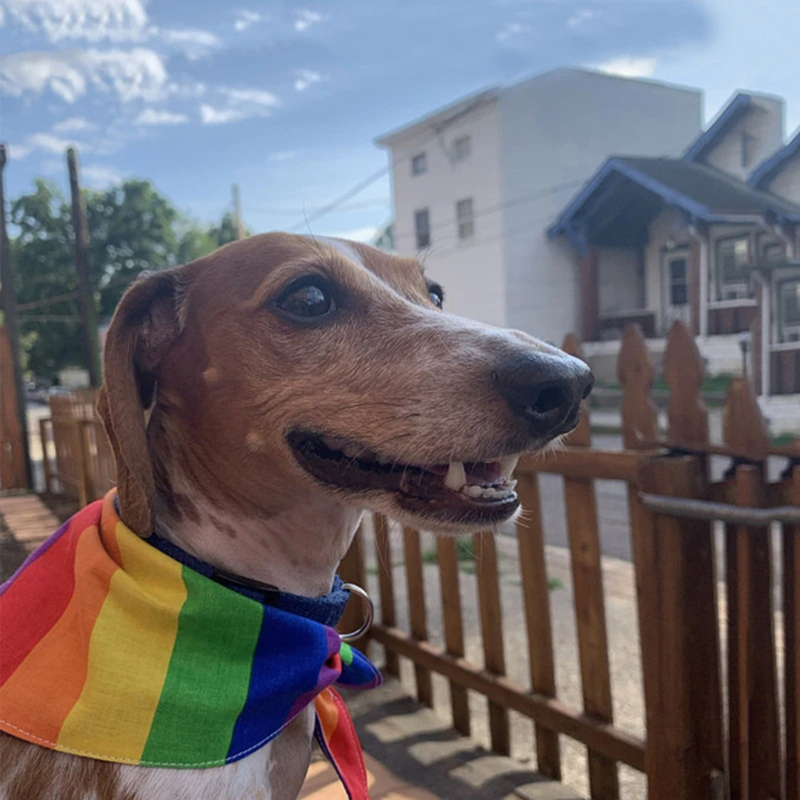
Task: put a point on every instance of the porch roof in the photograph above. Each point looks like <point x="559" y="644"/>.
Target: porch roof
<point x="617" y="204"/>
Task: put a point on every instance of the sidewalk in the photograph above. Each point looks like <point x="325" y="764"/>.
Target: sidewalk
<point x="402" y="738"/>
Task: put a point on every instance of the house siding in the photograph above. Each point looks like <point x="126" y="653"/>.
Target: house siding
<point x="618" y="273"/>
<point x="555" y="131"/>
<point x="472" y="271"/>
<point x="763" y="125"/>
<point x="787" y="182"/>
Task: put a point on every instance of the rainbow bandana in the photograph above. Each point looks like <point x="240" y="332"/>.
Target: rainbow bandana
<point x="129" y="650"/>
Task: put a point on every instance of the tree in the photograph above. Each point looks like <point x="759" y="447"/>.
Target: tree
<point x="43" y="255"/>
<point x="132" y="228"/>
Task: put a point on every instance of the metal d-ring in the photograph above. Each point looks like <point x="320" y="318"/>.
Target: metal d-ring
<point x="366" y="600"/>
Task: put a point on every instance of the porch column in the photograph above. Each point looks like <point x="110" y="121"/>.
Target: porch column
<point x="695" y="283"/>
<point x="590" y="295"/>
<point x="761" y="337"/>
<point x="698" y="280"/>
<point x="766" y="337"/>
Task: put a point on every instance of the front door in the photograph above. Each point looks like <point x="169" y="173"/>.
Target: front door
<point x="676" y="288"/>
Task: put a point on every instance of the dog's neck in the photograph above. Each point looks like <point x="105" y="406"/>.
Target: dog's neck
<point x="297" y="549"/>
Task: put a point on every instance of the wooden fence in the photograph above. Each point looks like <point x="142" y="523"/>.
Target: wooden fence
<point x="706" y="737"/>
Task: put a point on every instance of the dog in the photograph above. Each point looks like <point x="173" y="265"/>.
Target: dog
<point x="258" y="401"/>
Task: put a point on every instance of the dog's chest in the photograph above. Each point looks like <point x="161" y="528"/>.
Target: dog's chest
<point x="274" y="772"/>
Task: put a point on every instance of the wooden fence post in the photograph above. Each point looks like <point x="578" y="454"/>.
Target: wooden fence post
<point x="491" y="614"/>
<point x="754" y="747"/>
<point x="639" y="421"/>
<point x="447" y="556"/>
<point x="684" y="735"/>
<point x="590" y="618"/>
<point x="383" y="554"/>
<point x="415" y="582"/>
<point x="536" y="597"/>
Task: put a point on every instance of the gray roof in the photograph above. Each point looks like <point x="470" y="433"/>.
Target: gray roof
<point x="719" y="192"/>
<point x="618" y="202"/>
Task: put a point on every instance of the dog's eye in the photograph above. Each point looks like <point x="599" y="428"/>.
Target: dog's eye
<point x="436" y="295"/>
<point x="310" y="300"/>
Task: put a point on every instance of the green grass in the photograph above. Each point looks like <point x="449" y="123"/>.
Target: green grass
<point x="782" y="439"/>
<point x="464" y="549"/>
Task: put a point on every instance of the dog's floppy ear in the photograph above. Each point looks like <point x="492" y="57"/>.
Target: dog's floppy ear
<point x="143" y="329"/>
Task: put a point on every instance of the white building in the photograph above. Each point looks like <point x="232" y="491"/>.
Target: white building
<point x="478" y="183"/>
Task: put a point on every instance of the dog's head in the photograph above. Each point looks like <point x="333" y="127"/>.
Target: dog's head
<point x="286" y="365"/>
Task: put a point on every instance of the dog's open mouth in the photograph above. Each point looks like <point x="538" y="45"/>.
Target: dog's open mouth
<point x="480" y="492"/>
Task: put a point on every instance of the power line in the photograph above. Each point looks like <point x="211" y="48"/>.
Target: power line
<point x="341" y="199"/>
<point x="359" y="187"/>
<point x="538" y="194"/>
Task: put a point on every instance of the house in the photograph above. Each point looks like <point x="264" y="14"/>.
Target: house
<point x="711" y="238"/>
<point x="477" y="185"/>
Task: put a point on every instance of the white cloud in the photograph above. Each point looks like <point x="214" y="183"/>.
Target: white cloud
<point x="284" y="155"/>
<point x="306" y="78"/>
<point x="49" y="143"/>
<point x="239" y="104"/>
<point x="244" y="19"/>
<point x="92" y="20"/>
<point x="253" y="97"/>
<point x="135" y="74"/>
<point x="219" y="116"/>
<point x="99" y="177"/>
<point x="188" y="89"/>
<point x="73" y="125"/>
<point x="580" y="16"/>
<point x="18" y="151"/>
<point x="509" y="30"/>
<point x="305" y="19"/>
<point x="627" y="67"/>
<point x="193" y="42"/>
<point x="160" y="116"/>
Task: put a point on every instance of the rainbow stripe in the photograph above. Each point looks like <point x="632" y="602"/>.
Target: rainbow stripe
<point x="113" y="650"/>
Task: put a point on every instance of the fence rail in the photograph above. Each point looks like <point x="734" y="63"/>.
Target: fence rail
<point x="716" y="724"/>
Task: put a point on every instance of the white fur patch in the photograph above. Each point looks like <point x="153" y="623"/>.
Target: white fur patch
<point x="342" y="248"/>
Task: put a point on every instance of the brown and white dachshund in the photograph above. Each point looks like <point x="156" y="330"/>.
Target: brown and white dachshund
<point x="258" y="401"/>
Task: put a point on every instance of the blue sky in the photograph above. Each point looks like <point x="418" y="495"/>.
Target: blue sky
<point x="286" y="98"/>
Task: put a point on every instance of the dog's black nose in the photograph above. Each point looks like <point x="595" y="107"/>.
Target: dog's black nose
<point x="544" y="390"/>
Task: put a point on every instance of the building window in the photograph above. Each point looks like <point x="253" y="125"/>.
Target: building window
<point x="789" y="311"/>
<point x="733" y="262"/>
<point x="465" y="218"/>
<point x="770" y="250"/>
<point x="678" y="284"/>
<point x="419" y="164"/>
<point x="422" y="228"/>
<point x="773" y="253"/>
<point x="462" y="147"/>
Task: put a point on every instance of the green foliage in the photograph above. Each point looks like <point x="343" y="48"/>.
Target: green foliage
<point x="132" y="228"/>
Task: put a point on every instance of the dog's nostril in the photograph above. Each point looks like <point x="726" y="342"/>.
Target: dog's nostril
<point x="589" y="386"/>
<point x="549" y="398"/>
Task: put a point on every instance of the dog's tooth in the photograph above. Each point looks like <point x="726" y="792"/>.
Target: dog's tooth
<point x="512" y="485"/>
<point x="351" y="450"/>
<point x="456" y="476"/>
<point x="508" y="465"/>
<point x="473" y="491"/>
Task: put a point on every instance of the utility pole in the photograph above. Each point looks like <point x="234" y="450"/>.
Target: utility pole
<point x="15" y="460"/>
<point x="83" y="268"/>
<point x="237" y="211"/>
